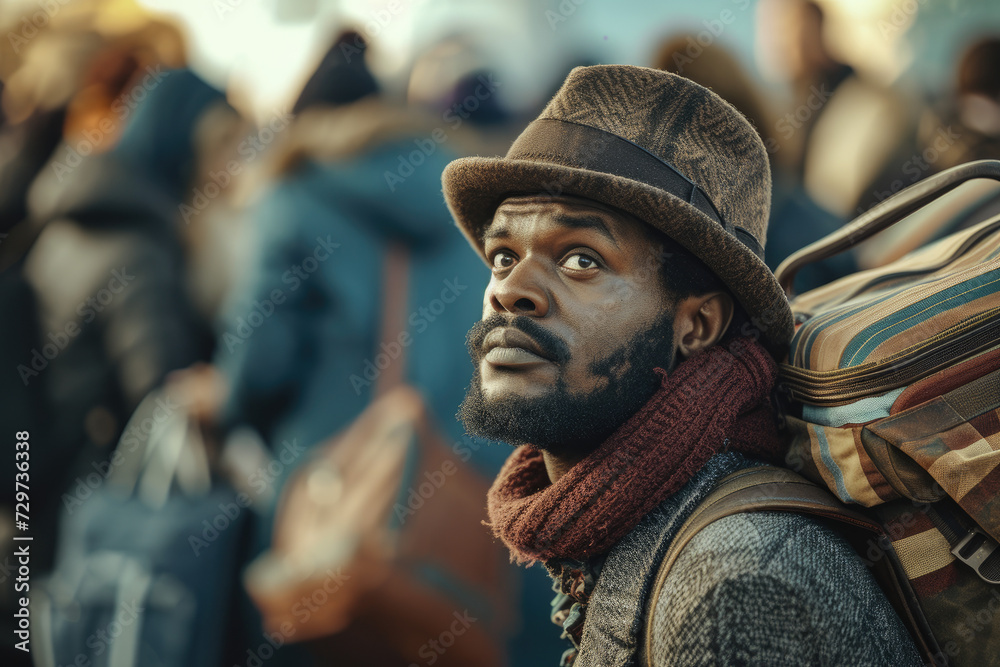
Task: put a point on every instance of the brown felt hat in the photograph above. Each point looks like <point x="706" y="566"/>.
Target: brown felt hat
<point x="659" y="146"/>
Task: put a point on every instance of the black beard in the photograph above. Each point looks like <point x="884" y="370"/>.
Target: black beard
<point x="562" y="422"/>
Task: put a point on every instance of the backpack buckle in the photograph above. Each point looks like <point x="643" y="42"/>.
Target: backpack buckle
<point x="975" y="549"/>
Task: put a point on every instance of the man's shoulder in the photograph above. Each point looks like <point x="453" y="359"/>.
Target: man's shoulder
<point x="783" y="545"/>
<point x="783" y="587"/>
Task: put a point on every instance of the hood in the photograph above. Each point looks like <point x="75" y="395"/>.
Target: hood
<point x="158" y="141"/>
<point x="381" y="163"/>
<point x="341" y="77"/>
<point x="144" y="178"/>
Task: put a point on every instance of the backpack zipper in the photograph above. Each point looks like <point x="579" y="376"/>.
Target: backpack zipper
<point x="953" y="345"/>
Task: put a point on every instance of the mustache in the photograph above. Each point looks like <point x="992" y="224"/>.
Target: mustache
<point x="553" y="346"/>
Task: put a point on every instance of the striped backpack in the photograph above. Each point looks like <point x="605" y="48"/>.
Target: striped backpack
<point x="891" y="396"/>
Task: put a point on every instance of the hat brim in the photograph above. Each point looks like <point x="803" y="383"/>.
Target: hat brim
<point x="475" y="186"/>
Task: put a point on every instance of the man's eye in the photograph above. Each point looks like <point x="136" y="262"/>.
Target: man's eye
<point x="580" y="262"/>
<point x="503" y="260"/>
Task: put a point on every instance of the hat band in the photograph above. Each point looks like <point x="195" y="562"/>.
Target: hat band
<point x="594" y="149"/>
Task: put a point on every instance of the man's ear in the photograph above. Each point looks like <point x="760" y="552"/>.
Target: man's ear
<point x="700" y="321"/>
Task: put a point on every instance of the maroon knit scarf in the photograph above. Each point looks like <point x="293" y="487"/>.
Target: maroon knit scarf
<point x="714" y="401"/>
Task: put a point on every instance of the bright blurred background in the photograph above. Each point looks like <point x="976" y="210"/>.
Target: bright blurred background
<point x="265" y="49"/>
<point x="168" y="166"/>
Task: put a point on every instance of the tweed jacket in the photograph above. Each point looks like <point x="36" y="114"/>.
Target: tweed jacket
<point x="766" y="588"/>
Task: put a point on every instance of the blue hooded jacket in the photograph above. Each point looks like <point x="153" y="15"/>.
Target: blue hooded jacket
<point x="301" y="344"/>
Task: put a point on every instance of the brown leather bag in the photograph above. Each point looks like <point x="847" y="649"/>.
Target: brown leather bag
<point x="379" y="554"/>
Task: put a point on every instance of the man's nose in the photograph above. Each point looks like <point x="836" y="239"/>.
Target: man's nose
<point x="522" y="291"/>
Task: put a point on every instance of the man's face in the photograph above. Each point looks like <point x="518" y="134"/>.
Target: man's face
<point x="575" y="319"/>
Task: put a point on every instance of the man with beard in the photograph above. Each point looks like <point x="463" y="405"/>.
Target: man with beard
<point x="627" y="347"/>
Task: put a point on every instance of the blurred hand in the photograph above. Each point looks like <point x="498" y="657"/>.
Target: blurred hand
<point x="202" y="389"/>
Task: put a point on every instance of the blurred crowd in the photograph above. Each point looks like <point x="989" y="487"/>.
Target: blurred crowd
<point x="156" y="239"/>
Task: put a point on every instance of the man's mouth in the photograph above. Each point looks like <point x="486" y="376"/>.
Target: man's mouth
<point x="511" y="347"/>
<point x="512" y="356"/>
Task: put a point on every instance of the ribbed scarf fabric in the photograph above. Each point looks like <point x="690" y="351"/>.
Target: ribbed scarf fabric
<point x="715" y="401"/>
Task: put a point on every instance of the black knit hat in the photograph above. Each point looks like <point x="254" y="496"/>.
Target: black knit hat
<point x="341" y="77"/>
<point x="659" y="146"/>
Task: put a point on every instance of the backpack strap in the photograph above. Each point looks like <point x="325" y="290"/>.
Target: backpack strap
<point x="773" y="489"/>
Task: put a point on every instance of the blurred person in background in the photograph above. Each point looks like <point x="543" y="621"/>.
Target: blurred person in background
<point x="67" y="94"/>
<point x="341" y="77"/>
<point x="796" y="34"/>
<point x="107" y="266"/>
<point x="843" y="124"/>
<point x="65" y="77"/>
<point x="972" y="109"/>
<point x="108" y="270"/>
<point x="962" y="125"/>
<point x="284" y="224"/>
<point x="354" y="177"/>
<point x="64" y="81"/>
<point x="968" y="128"/>
<point x="795" y="220"/>
<point x="447" y="80"/>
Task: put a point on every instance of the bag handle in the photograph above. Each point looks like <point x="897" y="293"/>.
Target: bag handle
<point x="171" y="449"/>
<point x="773" y="489"/>
<point x="395" y="277"/>
<point x="882" y="216"/>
